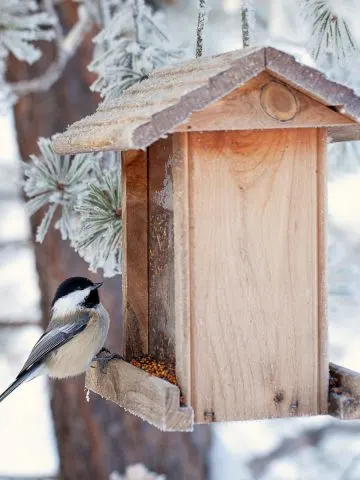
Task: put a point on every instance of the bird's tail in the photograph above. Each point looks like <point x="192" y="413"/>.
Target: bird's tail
<point x="24" y="377"/>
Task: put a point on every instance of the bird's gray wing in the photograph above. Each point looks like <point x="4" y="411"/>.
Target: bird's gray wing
<point x="53" y="339"/>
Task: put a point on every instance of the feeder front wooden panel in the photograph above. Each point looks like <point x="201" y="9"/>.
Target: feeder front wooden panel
<point x="255" y="328"/>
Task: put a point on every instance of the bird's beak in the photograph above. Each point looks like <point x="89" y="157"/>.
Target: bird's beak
<point x="96" y="286"/>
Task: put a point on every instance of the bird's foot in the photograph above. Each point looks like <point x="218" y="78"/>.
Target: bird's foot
<point x="104" y="357"/>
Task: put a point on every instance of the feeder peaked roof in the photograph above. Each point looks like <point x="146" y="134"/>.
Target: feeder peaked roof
<point x="152" y="108"/>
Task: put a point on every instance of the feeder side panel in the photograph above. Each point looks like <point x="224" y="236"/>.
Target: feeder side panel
<point x="180" y="169"/>
<point x="135" y="253"/>
<point x="161" y="251"/>
<point x="322" y="269"/>
<point x="254" y="274"/>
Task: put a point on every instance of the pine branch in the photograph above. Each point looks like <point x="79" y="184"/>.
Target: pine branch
<point x="66" y="48"/>
<point x="135" y="45"/>
<point x="98" y="239"/>
<point x="52" y="180"/>
<point x="100" y="11"/>
<point x="21" y="23"/>
<point x="330" y="30"/>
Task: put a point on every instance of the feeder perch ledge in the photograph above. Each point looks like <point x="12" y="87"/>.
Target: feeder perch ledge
<point x="150" y="398"/>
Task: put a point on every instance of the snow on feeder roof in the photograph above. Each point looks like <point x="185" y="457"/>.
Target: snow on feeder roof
<point x="149" y="110"/>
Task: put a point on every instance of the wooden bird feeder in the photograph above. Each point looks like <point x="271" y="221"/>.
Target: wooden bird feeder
<point x="224" y="206"/>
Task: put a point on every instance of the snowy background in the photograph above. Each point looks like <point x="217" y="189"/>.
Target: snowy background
<point x="291" y="449"/>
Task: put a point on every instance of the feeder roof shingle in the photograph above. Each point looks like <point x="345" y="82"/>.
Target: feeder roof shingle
<point x="150" y="109"/>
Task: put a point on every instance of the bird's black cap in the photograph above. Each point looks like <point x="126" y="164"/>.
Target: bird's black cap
<point x="78" y="283"/>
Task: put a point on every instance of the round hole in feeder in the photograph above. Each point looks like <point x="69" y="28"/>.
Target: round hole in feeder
<point x="278" y="101"/>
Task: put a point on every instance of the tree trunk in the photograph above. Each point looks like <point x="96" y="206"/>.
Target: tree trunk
<point x="94" y="438"/>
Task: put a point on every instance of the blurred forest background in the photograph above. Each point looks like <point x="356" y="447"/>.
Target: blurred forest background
<point x="49" y="430"/>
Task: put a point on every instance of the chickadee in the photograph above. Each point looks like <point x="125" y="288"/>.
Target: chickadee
<point x="75" y="335"/>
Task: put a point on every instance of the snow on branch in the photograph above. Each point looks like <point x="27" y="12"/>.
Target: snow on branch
<point x="21" y="23"/>
<point x="330" y="29"/>
<point x="98" y="239"/>
<point x="202" y="20"/>
<point x="66" y="48"/>
<point x="85" y="192"/>
<point x="100" y="11"/>
<point x="55" y="181"/>
<point x="247" y="21"/>
<point x="135" y="45"/>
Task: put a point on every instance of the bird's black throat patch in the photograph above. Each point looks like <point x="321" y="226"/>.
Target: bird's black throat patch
<point x="77" y="283"/>
<point x="92" y="299"/>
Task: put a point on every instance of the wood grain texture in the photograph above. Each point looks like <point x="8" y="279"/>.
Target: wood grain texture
<point x="180" y="169"/>
<point x="253" y="257"/>
<point x="135" y="253"/>
<point x="322" y="202"/>
<point x="242" y="110"/>
<point x="161" y="251"/>
<point x="344" y="393"/>
<point x="150" y="398"/>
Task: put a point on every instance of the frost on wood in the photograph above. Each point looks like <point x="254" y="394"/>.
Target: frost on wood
<point x="135" y="44"/>
<point x="137" y="472"/>
<point x="21" y="23"/>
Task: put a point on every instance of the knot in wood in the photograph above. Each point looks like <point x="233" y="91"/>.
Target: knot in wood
<point x="279" y="397"/>
<point x="278" y="101"/>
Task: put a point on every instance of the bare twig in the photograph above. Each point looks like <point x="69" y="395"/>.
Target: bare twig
<point x="66" y="47"/>
<point x="135" y="14"/>
<point x="245" y="27"/>
<point x="247" y="12"/>
<point x="202" y="18"/>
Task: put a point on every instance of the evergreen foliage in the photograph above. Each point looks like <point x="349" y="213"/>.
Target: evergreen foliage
<point x="21" y="23"/>
<point x="134" y="44"/>
<point x="330" y="29"/>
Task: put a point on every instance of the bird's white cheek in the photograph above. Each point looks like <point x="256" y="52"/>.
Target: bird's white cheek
<point x="69" y="304"/>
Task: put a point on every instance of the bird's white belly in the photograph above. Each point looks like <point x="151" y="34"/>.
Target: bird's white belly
<point x="75" y="357"/>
